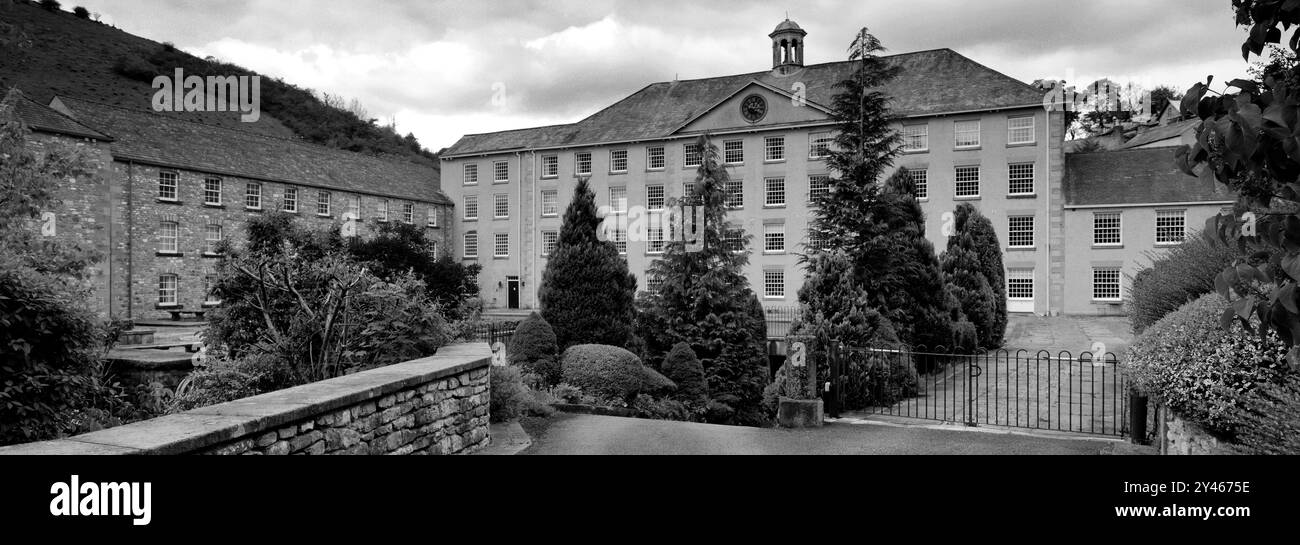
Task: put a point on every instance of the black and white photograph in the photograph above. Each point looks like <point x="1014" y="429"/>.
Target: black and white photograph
<point x="1048" y="234"/>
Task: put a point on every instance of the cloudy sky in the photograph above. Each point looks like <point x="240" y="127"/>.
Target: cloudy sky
<point x="447" y="68"/>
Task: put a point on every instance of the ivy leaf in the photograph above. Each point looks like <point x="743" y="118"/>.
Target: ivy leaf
<point x="1244" y="307"/>
<point x="1287" y="296"/>
<point x="1222" y="287"/>
<point x="1225" y="321"/>
<point x="1212" y="231"/>
<point x="1291" y="265"/>
<point x="1245" y="85"/>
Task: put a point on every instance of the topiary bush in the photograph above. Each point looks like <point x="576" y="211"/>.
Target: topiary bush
<point x="611" y="372"/>
<point x="685" y="370"/>
<point x="1191" y="364"/>
<point x="534" y="348"/>
<point x="1269" y="419"/>
<point x="1176" y="277"/>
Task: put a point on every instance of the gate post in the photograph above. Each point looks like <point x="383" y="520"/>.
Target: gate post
<point x="1137" y="414"/>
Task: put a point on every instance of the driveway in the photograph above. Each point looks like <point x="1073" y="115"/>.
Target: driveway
<point x="1073" y="333"/>
<point x="586" y="434"/>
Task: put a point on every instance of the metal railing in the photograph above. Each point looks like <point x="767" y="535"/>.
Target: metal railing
<point x="1037" y="390"/>
<point x="779" y="320"/>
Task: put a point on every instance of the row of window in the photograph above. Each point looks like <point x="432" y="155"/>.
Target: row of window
<point x="774" y="151"/>
<point x="773" y="283"/>
<point x="1107" y="227"/>
<point x="774" y="241"/>
<point x="213" y="188"/>
<point x="169" y="287"/>
<point x="968" y="134"/>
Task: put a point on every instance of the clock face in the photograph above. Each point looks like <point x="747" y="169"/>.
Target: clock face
<point x="753" y="108"/>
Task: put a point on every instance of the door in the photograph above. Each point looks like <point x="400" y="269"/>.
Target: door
<point x="512" y="295"/>
<point x="1020" y="290"/>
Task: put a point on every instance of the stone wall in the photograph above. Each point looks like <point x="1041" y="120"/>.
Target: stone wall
<point x="1181" y="437"/>
<point x="436" y="405"/>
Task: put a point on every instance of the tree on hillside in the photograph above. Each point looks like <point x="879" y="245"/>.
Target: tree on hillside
<point x="705" y="301"/>
<point x="973" y="265"/>
<point x="587" y="293"/>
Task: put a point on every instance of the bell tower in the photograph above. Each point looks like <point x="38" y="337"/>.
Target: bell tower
<point x="787" y="47"/>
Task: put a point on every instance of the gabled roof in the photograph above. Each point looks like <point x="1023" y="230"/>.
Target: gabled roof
<point x="938" y="81"/>
<point x="41" y="118"/>
<point x="1163" y="132"/>
<point x="160" y="140"/>
<point x="1140" y="176"/>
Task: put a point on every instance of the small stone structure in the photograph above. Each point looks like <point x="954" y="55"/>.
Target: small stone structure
<point x="1181" y="437"/>
<point x="436" y="405"/>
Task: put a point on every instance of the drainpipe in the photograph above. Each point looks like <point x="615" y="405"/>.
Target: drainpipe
<point x="130" y="238"/>
<point x="519" y="162"/>
<point x="1048" y="204"/>
<point x="532" y="257"/>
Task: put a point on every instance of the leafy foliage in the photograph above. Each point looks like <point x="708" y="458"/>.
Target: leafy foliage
<point x="972" y="265"/>
<point x="1248" y="141"/>
<point x="611" y="372"/>
<point x="296" y="293"/>
<point x="685" y="370"/>
<point x="705" y="301"/>
<point x="1201" y="370"/>
<point x="1176" y="277"/>
<point x="587" y="293"/>
<point x="54" y="379"/>
<point x="1269" y="419"/>
<point x="534" y="347"/>
<point x="397" y="248"/>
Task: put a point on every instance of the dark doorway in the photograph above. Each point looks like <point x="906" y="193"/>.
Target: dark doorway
<point x="512" y="292"/>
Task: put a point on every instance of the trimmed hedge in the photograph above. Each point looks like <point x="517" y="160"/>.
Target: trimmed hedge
<point x="1189" y="363"/>
<point x="1175" y="278"/>
<point x="534" y="348"/>
<point x="685" y="370"/>
<point x="611" y="372"/>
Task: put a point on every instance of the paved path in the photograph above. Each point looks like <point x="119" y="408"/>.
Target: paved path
<point x="585" y="434"/>
<point x="1076" y="334"/>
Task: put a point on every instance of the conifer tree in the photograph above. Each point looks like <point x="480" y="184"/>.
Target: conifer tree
<point x="705" y="302"/>
<point x="973" y="265"/>
<point x="587" y="293"/>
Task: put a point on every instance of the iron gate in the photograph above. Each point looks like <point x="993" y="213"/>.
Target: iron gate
<point x="1036" y="390"/>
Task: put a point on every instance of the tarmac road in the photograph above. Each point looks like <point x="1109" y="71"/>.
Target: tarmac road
<point x="586" y="434"/>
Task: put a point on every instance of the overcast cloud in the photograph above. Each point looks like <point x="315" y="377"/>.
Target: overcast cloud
<point x="436" y="66"/>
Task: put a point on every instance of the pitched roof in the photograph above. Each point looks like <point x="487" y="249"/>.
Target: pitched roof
<point x="41" y="118"/>
<point x="1140" y="176"/>
<point x="161" y="140"/>
<point x="930" y="82"/>
<point x="1162" y="132"/>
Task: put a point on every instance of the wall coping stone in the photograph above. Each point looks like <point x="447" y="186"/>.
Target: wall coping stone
<point x="195" y="430"/>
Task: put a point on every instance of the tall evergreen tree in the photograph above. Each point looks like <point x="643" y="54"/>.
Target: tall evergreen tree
<point x="587" y="293"/>
<point x="973" y="265"/>
<point x="878" y="228"/>
<point x="705" y="301"/>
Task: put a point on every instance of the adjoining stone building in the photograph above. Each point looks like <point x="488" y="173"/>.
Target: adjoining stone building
<point x="167" y="190"/>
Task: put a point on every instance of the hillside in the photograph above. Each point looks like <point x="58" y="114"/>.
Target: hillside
<point x="54" y="53"/>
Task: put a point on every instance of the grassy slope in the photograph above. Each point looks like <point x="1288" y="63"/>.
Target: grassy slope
<point x="47" y="54"/>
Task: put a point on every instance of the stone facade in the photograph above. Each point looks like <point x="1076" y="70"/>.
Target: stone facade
<point x="1180" y="437"/>
<point x="436" y="405"/>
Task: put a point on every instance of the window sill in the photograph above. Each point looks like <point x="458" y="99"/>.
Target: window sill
<point x="1168" y="244"/>
<point x="500" y="182"/>
<point x="1022" y="196"/>
<point x="966" y="198"/>
<point x="773" y="206"/>
<point x="1108" y="246"/>
<point x="771" y="298"/>
<point x="618" y="173"/>
<point x="161" y="306"/>
<point x="469" y="219"/>
<point x="818" y="158"/>
<point x="969" y="148"/>
<point x="766" y="252"/>
<point x="500" y="257"/>
<point x="324" y="215"/>
<point x="210" y="255"/>
<point x="210" y="205"/>
<point x="555" y="177"/>
<point x="169" y="254"/>
<point x="923" y="199"/>
<point x="294" y="212"/>
<point x="774" y="162"/>
<point x="1108" y="302"/>
<point x="212" y="305"/>
<point x="469" y="258"/>
<point x="432" y="227"/>
<point x="507" y="218"/>
<point x="654" y="170"/>
<point x="169" y="201"/>
<point x="249" y="209"/>
<point x="1022" y="145"/>
<point x="1023" y="249"/>
<point x="577" y="175"/>
<point x="916" y="152"/>
<point x="469" y="184"/>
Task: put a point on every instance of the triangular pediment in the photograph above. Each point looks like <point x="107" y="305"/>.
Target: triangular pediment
<point x="738" y="111"/>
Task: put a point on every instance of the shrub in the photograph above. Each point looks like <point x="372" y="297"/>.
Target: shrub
<point x="1188" y="362"/>
<point x="1269" y="419"/>
<point x="1176" y="277"/>
<point x="508" y="394"/>
<point x="611" y="372"/>
<point x="567" y="393"/>
<point x="397" y="248"/>
<point x="788" y="383"/>
<point x="685" y="370"/>
<point x="224" y="381"/>
<point x="661" y="409"/>
<point x="51" y="5"/>
<point x="81" y="12"/>
<point x="534" y="348"/>
<point x="965" y="338"/>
